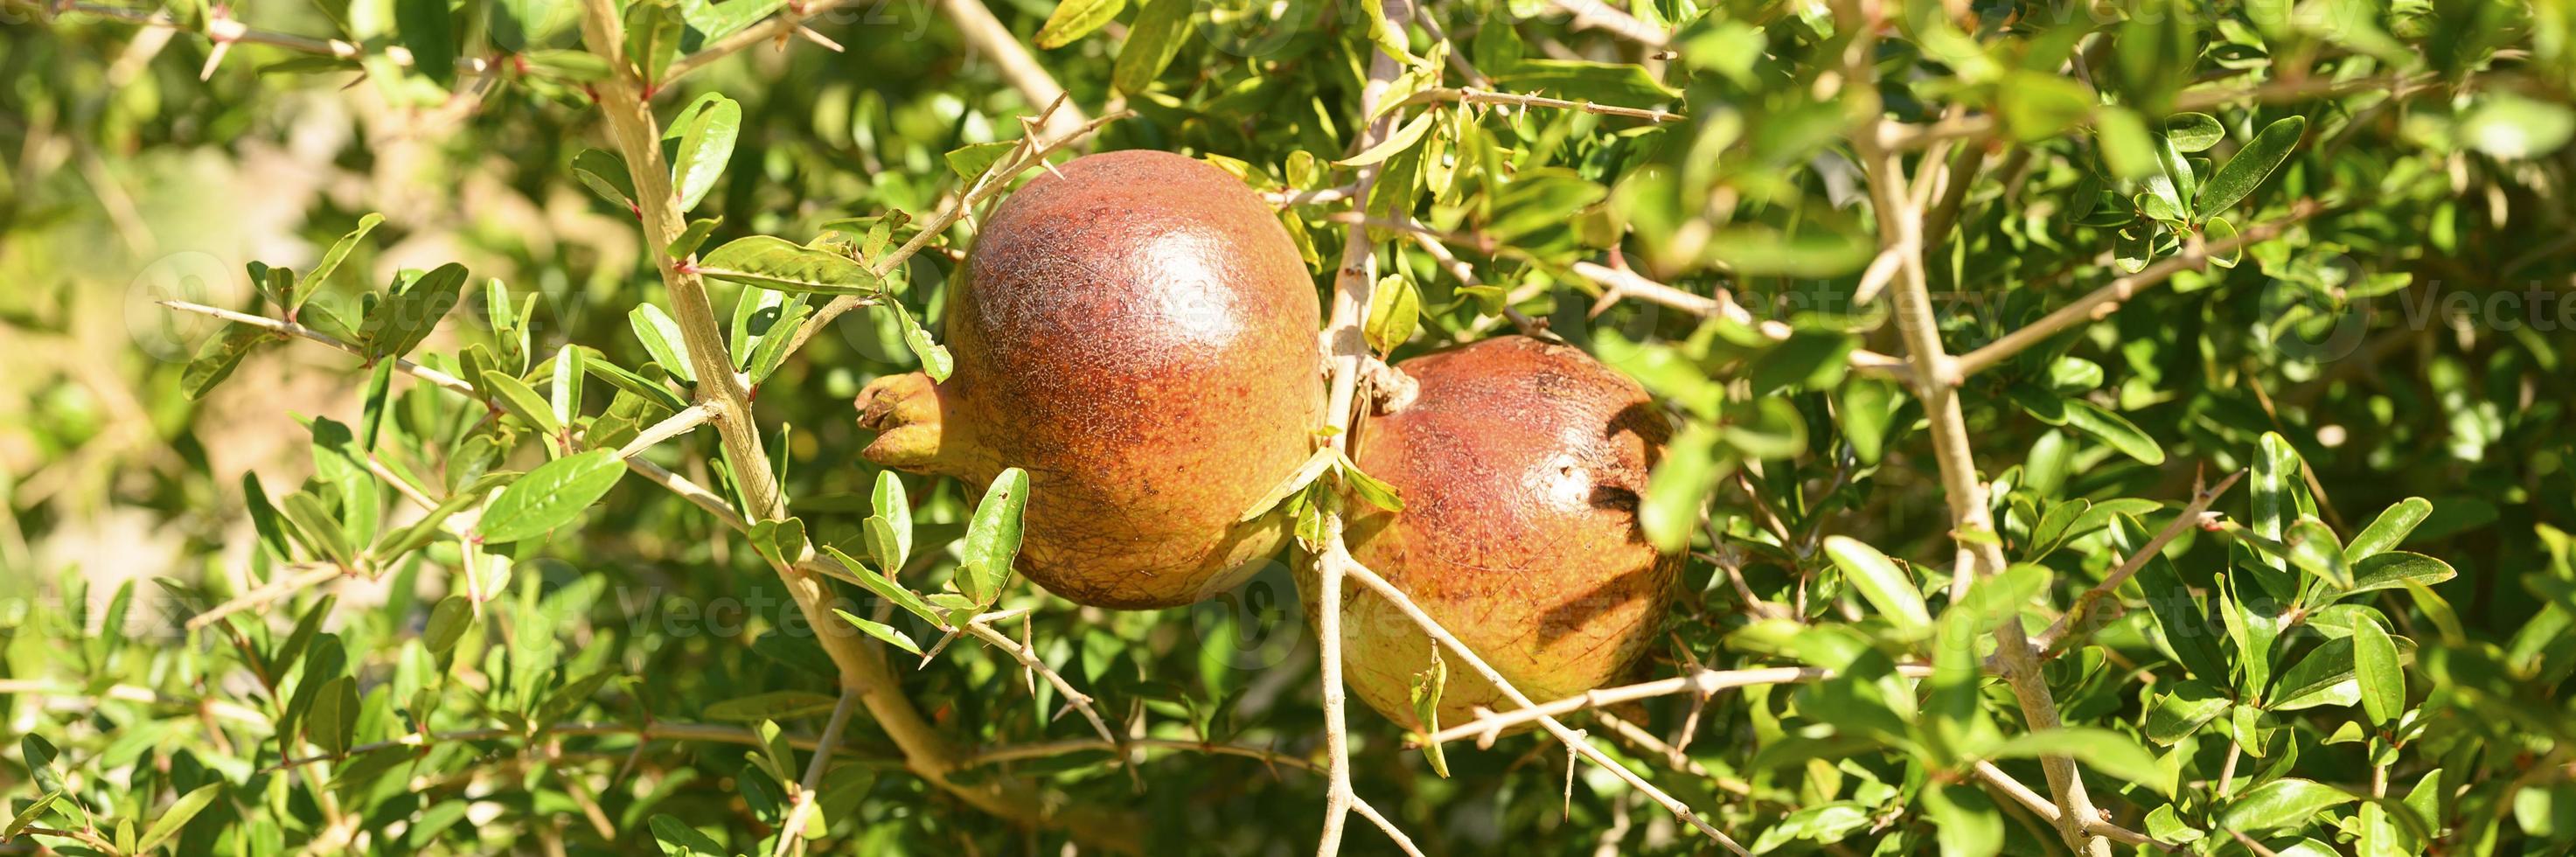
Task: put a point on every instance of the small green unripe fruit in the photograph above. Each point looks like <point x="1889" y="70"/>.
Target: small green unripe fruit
<point x="1520" y="463"/>
<point x="1136" y="330"/>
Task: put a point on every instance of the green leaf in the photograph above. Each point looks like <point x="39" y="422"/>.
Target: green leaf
<point x="690" y="238"/>
<point x="1395" y="310"/>
<point x="2383" y="682"/>
<point x="886" y="588"/>
<point x="1680" y="485"/>
<point x="2513" y="127"/>
<point x="653" y="31"/>
<point x="217" y="360"/>
<point x="1161" y="27"/>
<point x="774" y="705"/>
<point x="409" y="315"/>
<point x="2113" y="754"/>
<point x="1368" y="488"/>
<point x="521" y="400"/>
<point x="882" y="631"/>
<point x="781" y="541"/>
<point x="2288" y="802"/>
<point x="2127" y="149"/>
<point x="605" y="174"/>
<point x="661" y="338"/>
<point x="973" y="160"/>
<point x="319" y="531"/>
<point x="2218" y="230"/>
<point x="178" y="816"/>
<point x="447" y="624"/>
<point x="2242" y="174"/>
<point x="1425" y="691"/>
<point x="1403" y="138"/>
<point x="2040" y="105"/>
<point x="1073" y="19"/>
<point x="2178" y="714"/>
<point x="1965" y="822"/>
<point x="2115" y="430"/>
<point x="993" y="537"/>
<point x="428" y="29"/>
<point x="567" y="65"/>
<point x="598" y="366"/>
<point x="1807" y="360"/>
<point x="1881" y="583"/>
<point x="2178" y="185"/>
<point x="2313" y="548"/>
<point x="934" y="358"/>
<point x="331" y="260"/>
<point x="2193" y="132"/>
<point x="333" y="723"/>
<point x="776" y="263"/>
<point x="706" y="131"/>
<point x="551" y="495"/>
<point x="2395" y="569"/>
<point x="716" y="19"/>
<point x="678" y="839"/>
<point x="2388" y="530"/>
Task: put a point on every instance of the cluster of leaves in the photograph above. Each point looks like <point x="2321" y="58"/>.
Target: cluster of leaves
<point x="527" y="649"/>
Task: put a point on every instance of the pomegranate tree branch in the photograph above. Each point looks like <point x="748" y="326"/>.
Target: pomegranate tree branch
<point x="1346" y="351"/>
<point x="985" y="34"/>
<point x="1900" y="230"/>
<point x="862" y="664"/>
<point x="2032" y="800"/>
<point x="2101" y="302"/>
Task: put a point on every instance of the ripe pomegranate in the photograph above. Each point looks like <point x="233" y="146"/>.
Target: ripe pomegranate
<point x="1136" y="330"/>
<point x="1520" y="463"/>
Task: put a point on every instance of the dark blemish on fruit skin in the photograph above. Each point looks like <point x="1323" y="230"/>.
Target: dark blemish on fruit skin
<point x="1139" y="335"/>
<point x="1520" y="464"/>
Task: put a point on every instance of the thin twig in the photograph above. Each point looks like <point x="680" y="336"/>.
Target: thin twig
<point x="1028" y="154"/>
<point x="1318" y="196"/>
<point x="1574" y="741"/>
<point x="1620" y="283"/>
<point x="670" y="427"/>
<point x="261" y="596"/>
<point x="786" y="22"/>
<point x="1702" y="682"/>
<point x="292" y="329"/>
<point x="1086" y="745"/>
<point x="225" y="30"/>
<point x="791" y="830"/>
<point x="1028" y="659"/>
<point x="2192" y="516"/>
<point x="2103" y="301"/>
<point x="1473" y="95"/>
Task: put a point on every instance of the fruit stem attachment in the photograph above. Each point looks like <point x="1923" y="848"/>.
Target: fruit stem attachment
<point x="909" y="413"/>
